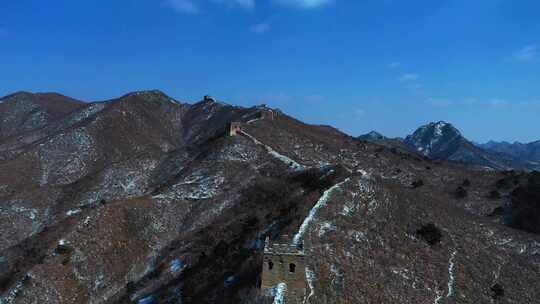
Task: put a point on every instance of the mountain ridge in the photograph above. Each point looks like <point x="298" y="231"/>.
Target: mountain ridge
<point x="140" y="200"/>
<point x="441" y="140"/>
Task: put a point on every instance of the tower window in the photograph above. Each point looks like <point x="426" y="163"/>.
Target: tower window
<point x="292" y="267"/>
<point x="270" y="265"/>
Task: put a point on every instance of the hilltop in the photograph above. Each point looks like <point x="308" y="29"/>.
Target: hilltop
<point x="145" y="199"/>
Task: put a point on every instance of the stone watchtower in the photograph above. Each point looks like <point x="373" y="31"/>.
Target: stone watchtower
<point x="209" y="98"/>
<point x="284" y="263"/>
<point x="235" y="128"/>
<point x="270" y="114"/>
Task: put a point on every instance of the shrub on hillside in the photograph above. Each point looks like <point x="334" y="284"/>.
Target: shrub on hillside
<point x="494" y="194"/>
<point x="501" y="183"/>
<point x="65" y="251"/>
<point x="460" y="192"/>
<point x="314" y="179"/>
<point x="417" y="183"/>
<point x="526" y="208"/>
<point x="267" y="191"/>
<point x="497" y="291"/>
<point x="430" y="233"/>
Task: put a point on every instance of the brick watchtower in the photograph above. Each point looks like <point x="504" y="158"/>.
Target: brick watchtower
<point x="284" y="263"/>
<point x="235" y="128"/>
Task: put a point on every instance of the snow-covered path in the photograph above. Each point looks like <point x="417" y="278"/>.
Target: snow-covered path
<point x="290" y="162"/>
<point x="313" y="212"/>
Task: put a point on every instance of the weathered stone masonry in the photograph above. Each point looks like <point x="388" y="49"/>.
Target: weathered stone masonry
<point x="284" y="263"/>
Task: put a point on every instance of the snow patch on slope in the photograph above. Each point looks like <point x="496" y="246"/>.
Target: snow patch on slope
<point x="313" y="212"/>
<point x="310" y="277"/>
<point x="326" y="227"/>
<point x="451" y="277"/>
<point x="66" y="157"/>
<point x="281" y="289"/>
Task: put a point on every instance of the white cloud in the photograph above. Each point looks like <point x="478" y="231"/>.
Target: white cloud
<point x="246" y="4"/>
<point x="527" y="53"/>
<point x="395" y="64"/>
<point x="359" y="113"/>
<point x="193" y="6"/>
<point x="182" y="6"/>
<point x="408" y="77"/>
<point x="260" y="28"/>
<point x="305" y="3"/>
<point x="470" y="101"/>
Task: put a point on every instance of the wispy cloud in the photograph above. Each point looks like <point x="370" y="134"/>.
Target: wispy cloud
<point x="394" y="65"/>
<point x="307" y="4"/>
<point x="194" y="6"/>
<point x="440" y="102"/>
<point x="497" y="102"/>
<point x="314" y="98"/>
<point x="260" y="28"/>
<point x="358" y="113"/>
<point x="527" y="53"/>
<point x="182" y="6"/>
<point x="535" y="103"/>
<point x="409" y="77"/>
<point x="470" y="101"/>
<point x="246" y="4"/>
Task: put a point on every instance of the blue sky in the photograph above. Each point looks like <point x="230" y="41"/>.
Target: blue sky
<point x="358" y="65"/>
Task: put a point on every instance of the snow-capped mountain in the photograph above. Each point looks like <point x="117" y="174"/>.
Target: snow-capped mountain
<point x="438" y="140"/>
<point x="441" y="140"/>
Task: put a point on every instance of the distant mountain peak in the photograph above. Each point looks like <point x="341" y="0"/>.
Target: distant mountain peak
<point x="435" y="139"/>
<point x="439" y="128"/>
<point x="441" y="140"/>
<point x="144" y="93"/>
<point x="374" y="135"/>
<point x="150" y="95"/>
<point x="524" y="152"/>
<point x="20" y="96"/>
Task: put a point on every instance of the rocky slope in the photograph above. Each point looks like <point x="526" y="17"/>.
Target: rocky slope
<point x="144" y="199"/>
<point x="23" y="111"/>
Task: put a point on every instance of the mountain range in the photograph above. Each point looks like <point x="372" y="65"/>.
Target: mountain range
<point x="441" y="140"/>
<point x="146" y="199"/>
